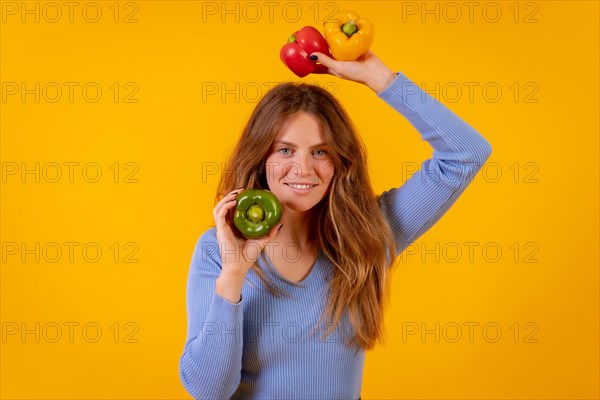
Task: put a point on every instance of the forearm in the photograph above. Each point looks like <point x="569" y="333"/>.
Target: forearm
<point x="212" y="356"/>
<point x="451" y="137"/>
<point x="211" y="362"/>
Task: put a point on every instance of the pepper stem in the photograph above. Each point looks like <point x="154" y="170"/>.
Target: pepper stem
<point x="349" y="28"/>
<point x="255" y="213"/>
<point x="292" y="39"/>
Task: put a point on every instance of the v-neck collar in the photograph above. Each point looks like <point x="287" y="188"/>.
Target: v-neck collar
<point x="313" y="271"/>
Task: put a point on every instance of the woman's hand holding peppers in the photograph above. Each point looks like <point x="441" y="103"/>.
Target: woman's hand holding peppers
<point x="343" y="51"/>
<point x="368" y="70"/>
<point x="237" y="254"/>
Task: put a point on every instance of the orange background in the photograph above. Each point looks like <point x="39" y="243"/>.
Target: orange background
<point x="188" y="75"/>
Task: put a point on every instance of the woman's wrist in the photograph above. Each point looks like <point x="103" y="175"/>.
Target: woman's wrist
<point x="229" y="287"/>
<point x="381" y="80"/>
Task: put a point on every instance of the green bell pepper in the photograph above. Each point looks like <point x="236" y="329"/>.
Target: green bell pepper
<point x="256" y="212"/>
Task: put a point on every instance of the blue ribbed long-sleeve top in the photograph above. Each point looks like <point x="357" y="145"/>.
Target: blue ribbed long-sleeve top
<point x="264" y="347"/>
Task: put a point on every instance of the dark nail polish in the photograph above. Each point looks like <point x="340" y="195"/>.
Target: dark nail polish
<point x="313" y="57"/>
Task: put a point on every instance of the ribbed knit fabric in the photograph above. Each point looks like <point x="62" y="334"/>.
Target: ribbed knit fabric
<point x="265" y="347"/>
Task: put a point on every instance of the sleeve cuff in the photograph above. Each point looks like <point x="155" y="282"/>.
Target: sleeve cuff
<point x="223" y="299"/>
<point x="398" y="88"/>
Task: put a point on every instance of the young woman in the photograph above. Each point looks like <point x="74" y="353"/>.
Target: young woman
<point x="291" y="315"/>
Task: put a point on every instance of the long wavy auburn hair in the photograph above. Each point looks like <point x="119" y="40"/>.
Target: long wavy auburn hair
<point x="350" y="227"/>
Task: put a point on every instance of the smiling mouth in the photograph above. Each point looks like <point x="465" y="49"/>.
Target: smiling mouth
<point x="300" y="186"/>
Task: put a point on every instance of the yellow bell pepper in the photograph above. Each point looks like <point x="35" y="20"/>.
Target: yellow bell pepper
<point x="348" y="35"/>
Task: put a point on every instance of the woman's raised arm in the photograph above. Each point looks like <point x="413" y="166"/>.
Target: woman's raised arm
<point x="459" y="151"/>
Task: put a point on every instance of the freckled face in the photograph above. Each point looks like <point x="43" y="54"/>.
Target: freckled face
<point x="299" y="167"/>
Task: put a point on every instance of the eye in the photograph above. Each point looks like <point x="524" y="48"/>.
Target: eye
<point x="284" y="150"/>
<point x="321" y="152"/>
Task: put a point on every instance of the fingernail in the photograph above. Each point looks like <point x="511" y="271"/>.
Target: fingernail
<point x="313" y="57"/>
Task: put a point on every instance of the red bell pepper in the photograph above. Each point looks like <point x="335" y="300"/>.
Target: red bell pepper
<point x="299" y="47"/>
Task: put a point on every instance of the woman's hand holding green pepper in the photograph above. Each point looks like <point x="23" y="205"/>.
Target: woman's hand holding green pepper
<point x="237" y="254"/>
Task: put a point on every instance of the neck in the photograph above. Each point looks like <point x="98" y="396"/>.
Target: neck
<point x="298" y="228"/>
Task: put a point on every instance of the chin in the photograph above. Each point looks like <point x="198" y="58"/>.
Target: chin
<point x="302" y="205"/>
<point x="301" y="209"/>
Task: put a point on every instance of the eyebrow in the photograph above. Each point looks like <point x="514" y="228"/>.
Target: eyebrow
<point x="293" y="145"/>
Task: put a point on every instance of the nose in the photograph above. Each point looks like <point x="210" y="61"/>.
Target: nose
<point x="305" y="164"/>
<point x="302" y="167"/>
